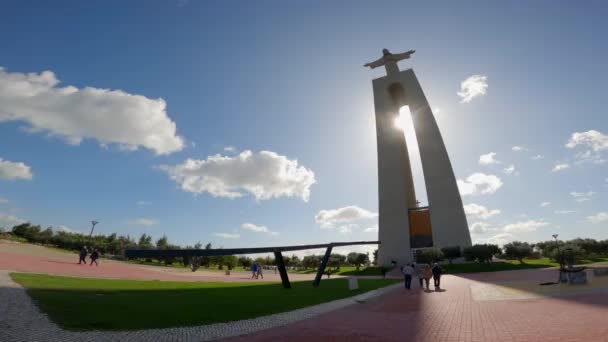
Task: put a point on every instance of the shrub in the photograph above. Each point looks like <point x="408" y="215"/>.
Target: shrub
<point x="429" y="255"/>
<point x="481" y="253"/>
<point x="517" y="250"/>
<point x="451" y="252"/>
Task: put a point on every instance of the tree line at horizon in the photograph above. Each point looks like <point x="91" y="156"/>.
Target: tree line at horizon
<point x="113" y="244"/>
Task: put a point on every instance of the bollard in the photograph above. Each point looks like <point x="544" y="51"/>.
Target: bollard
<point x="353" y="283"/>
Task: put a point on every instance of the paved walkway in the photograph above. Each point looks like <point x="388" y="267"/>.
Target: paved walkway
<point x="499" y="306"/>
<point x="576" y="314"/>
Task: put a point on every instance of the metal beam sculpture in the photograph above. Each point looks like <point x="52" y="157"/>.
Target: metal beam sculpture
<point x="163" y="253"/>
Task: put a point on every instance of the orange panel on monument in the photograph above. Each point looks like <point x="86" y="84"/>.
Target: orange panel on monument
<point x="421" y="233"/>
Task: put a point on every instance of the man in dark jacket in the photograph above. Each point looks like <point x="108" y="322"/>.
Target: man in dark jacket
<point x="436" y="275"/>
<point x="83" y="255"/>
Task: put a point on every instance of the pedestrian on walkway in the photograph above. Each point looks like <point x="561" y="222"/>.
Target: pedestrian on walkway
<point x="419" y="272"/>
<point x="94" y="257"/>
<point x="428" y="273"/>
<point x="436" y="275"/>
<point x="254" y="271"/>
<point x="83" y="255"/>
<point x="260" y="274"/>
<point x="408" y="271"/>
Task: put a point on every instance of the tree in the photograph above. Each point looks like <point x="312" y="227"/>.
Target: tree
<point x="357" y="259"/>
<point x="162" y="243"/>
<point x="245" y="261"/>
<point x="428" y="255"/>
<point x="375" y="255"/>
<point x="335" y="260"/>
<point x="481" y="253"/>
<point x="145" y="242"/>
<point x="451" y="252"/>
<point x="311" y="261"/>
<point x="230" y="261"/>
<point x="517" y="250"/>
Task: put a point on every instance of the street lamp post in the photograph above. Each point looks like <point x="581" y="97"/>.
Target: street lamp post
<point x="93" y="223"/>
<point x="560" y="258"/>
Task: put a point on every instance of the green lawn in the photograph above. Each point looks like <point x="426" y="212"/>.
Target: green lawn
<point x="84" y="303"/>
<point x="509" y="265"/>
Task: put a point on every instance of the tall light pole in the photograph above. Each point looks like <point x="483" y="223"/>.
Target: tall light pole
<point x="93" y="223"/>
<point x="559" y="258"/>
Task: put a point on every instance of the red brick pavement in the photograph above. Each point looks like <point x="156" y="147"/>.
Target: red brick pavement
<point x="453" y="315"/>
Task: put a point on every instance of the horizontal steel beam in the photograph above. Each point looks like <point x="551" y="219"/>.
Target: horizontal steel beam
<point x="157" y="253"/>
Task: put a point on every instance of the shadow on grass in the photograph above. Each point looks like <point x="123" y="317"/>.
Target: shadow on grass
<point x="83" y="304"/>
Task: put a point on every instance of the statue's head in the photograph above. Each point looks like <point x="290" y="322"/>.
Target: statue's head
<point x="385" y="52"/>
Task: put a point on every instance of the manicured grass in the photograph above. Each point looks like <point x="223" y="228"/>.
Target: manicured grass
<point x="83" y="303"/>
<point x="509" y="265"/>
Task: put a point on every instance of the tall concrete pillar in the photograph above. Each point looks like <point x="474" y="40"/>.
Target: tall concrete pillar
<point x="395" y="184"/>
<point x="448" y="220"/>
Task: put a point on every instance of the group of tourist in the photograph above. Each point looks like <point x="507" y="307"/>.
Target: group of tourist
<point x="424" y="273"/>
<point x="256" y="271"/>
<point x="83" y="256"/>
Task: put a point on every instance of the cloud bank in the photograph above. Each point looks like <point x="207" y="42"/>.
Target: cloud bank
<point x="108" y="116"/>
<point x="264" y="175"/>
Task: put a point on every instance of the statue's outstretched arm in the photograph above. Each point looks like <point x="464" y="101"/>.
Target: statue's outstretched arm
<point x="375" y="64"/>
<point x="405" y="55"/>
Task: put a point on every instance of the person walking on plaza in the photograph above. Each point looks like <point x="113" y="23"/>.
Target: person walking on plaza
<point x="408" y="271"/>
<point x="419" y="273"/>
<point x="254" y="271"/>
<point x="83" y="255"/>
<point x="436" y="275"/>
<point x="260" y="274"/>
<point x="428" y="273"/>
<point x="94" y="257"/>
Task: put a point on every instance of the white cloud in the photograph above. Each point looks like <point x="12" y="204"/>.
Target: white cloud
<point x="13" y="170"/>
<point x="598" y="218"/>
<point x="479" y="228"/>
<point x="8" y="221"/>
<point x="594" y="142"/>
<point x="227" y="235"/>
<point x="144" y="222"/>
<point x="590" y="139"/>
<point x="372" y="229"/>
<point x="520" y="148"/>
<point x="349" y="214"/>
<point x="472" y="87"/>
<point x="564" y="212"/>
<point x="498" y="239"/>
<point x="487" y="159"/>
<point x="264" y="175"/>
<point x="545" y="204"/>
<point x="257" y="229"/>
<point x="109" y="116"/>
<point x="479" y="183"/>
<point x="582" y="196"/>
<point x="3" y="200"/>
<point x="525" y="226"/>
<point x="537" y="157"/>
<point x="560" y="167"/>
<point x="347" y="228"/>
<point x="509" y="170"/>
<point x="479" y="211"/>
<point x="229" y="149"/>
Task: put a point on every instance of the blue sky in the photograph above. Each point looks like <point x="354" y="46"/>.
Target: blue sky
<point x="287" y="78"/>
